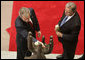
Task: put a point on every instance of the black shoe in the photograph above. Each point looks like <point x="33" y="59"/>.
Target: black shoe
<point x="59" y="57"/>
<point x="28" y="54"/>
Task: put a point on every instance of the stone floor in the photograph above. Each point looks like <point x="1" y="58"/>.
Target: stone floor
<point x="12" y="55"/>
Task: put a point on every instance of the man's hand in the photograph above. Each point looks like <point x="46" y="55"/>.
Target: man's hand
<point x="39" y="33"/>
<point x="37" y="43"/>
<point x="42" y="44"/>
<point x="59" y="34"/>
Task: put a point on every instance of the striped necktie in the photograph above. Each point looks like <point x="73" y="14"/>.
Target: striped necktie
<point x="63" y="21"/>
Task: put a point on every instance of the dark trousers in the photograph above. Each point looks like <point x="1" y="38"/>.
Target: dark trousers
<point x="22" y="49"/>
<point x="69" y="50"/>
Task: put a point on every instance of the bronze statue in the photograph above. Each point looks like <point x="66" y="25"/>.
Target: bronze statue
<point x="37" y="50"/>
<point x="48" y="47"/>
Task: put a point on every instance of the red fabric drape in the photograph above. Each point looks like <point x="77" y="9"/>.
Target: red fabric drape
<point x="48" y="14"/>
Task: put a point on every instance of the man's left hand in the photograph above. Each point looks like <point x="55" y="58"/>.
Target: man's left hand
<point x="59" y="34"/>
<point x="39" y="33"/>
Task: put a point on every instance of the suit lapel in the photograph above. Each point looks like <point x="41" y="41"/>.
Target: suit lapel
<point x="62" y="19"/>
<point x="67" y="22"/>
<point x="31" y="15"/>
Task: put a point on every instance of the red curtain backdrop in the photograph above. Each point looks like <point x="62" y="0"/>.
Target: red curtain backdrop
<point x="48" y="14"/>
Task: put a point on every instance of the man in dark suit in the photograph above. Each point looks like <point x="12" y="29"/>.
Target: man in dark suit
<point x="69" y="28"/>
<point x="25" y="22"/>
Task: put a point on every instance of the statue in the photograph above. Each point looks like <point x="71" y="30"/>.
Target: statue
<point x="37" y="49"/>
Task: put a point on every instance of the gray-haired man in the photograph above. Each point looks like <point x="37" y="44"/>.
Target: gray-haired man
<point x="25" y="22"/>
<point x="68" y="31"/>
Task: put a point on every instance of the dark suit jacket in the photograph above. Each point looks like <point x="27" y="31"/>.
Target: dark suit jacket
<point x="70" y="29"/>
<point x="22" y="28"/>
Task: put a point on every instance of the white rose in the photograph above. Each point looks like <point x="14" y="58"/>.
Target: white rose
<point x="56" y="27"/>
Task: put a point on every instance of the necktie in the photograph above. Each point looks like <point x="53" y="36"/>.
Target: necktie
<point x="63" y="21"/>
<point x="31" y="24"/>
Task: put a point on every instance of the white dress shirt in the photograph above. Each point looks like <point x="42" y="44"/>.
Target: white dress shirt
<point x="30" y="20"/>
<point x="69" y="17"/>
